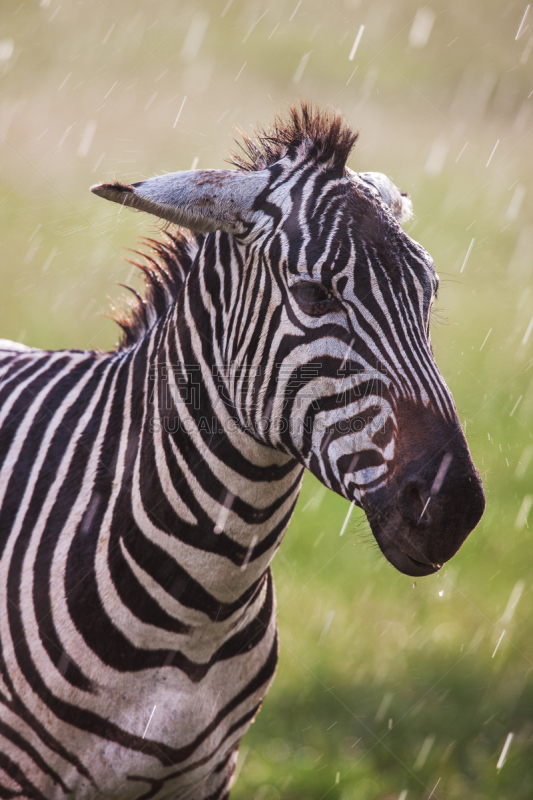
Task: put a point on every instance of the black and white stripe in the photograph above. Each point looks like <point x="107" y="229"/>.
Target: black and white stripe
<point x="144" y="492"/>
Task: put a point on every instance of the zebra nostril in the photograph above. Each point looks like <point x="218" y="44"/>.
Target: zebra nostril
<point x="411" y="501"/>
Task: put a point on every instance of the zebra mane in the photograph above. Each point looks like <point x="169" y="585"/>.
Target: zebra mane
<point x="165" y="267"/>
<point x="324" y="134"/>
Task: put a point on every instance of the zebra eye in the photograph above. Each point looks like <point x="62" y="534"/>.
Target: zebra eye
<point x="313" y="298"/>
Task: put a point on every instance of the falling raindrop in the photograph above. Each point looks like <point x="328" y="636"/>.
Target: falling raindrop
<point x="503" y="756"/>
<point x="424" y="751"/>
<point x="224" y="512"/>
<point x="195" y="35"/>
<point x="356" y="43"/>
<point x="494" y="150"/>
<point x="521" y="519"/>
<point x="516" y="202"/>
<point x="384" y="706"/>
<point x="327" y="625"/>
<point x="527" y="51"/>
<point x="498" y="643"/>
<point x="249" y="552"/>
<point x="87" y="138"/>
<point x="7" y="47"/>
<point x="301" y="67"/>
<point x="468" y="254"/>
<point x="179" y="112"/>
<point x="436" y="158"/>
<point x="519" y="31"/>
<point x="295" y="10"/>
<point x="347" y="519"/>
<point x="421" y="28"/>
<point x="149" y="721"/>
<point x="241" y="69"/>
<point x="528" y="331"/>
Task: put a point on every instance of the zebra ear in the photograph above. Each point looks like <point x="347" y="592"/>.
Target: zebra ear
<point x="203" y="200"/>
<point x="398" y="202"/>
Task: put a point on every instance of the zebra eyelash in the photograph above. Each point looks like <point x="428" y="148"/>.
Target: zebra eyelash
<point x="314" y="298"/>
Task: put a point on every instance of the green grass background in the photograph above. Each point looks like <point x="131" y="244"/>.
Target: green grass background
<point x="384" y="690"/>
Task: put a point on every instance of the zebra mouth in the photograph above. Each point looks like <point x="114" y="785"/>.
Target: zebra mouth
<point x="410" y="566"/>
<point x="401" y="560"/>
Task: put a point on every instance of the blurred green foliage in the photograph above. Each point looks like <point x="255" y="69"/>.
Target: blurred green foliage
<point x="384" y="690"/>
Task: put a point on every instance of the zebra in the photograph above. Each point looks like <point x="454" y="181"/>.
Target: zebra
<point x="144" y="491"/>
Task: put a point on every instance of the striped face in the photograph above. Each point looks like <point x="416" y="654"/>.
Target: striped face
<point x="329" y="311"/>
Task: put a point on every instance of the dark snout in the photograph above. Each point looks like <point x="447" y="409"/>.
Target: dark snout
<point x="429" y="506"/>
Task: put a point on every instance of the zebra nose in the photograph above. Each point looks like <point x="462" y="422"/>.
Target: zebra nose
<point x="413" y="501"/>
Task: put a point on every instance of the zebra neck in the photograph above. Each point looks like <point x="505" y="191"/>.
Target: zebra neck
<point x="215" y="500"/>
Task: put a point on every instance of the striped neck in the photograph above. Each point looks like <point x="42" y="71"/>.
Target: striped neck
<point x="204" y="490"/>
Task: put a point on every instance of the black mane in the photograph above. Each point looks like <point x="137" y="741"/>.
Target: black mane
<point x="167" y="264"/>
<point x="325" y="135"/>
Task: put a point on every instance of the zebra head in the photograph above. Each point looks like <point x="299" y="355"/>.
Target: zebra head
<point x="320" y="303"/>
